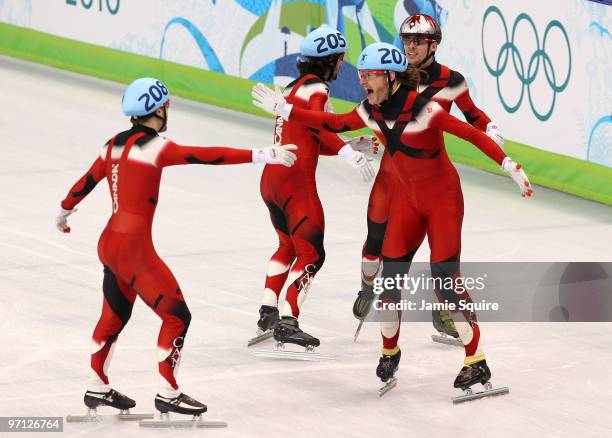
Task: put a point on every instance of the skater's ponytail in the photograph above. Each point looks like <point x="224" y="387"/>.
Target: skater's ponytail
<point x="411" y="77"/>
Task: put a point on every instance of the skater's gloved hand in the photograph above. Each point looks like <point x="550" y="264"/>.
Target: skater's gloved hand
<point x="276" y="155"/>
<point x="61" y="220"/>
<point x="365" y="144"/>
<point x="516" y="173"/>
<point x="270" y="101"/>
<point x="495" y="134"/>
<point x="358" y="160"/>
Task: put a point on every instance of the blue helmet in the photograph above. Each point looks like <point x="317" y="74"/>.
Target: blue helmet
<point x="323" y="41"/>
<point x="382" y="56"/>
<point x="144" y="96"/>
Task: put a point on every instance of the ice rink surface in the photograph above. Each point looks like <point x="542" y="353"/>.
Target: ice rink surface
<point x="213" y="230"/>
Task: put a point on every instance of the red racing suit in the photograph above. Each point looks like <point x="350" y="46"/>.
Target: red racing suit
<point x="293" y="202"/>
<point x="132" y="164"/>
<point x="427" y="200"/>
<point x="445" y="86"/>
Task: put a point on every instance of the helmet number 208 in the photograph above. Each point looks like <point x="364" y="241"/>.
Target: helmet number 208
<point x="333" y="42"/>
<point x="156" y="93"/>
<point x="386" y="53"/>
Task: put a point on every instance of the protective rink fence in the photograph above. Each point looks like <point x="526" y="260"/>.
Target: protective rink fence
<point x="539" y="69"/>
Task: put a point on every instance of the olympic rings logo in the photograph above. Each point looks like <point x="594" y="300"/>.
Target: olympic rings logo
<point x="533" y="67"/>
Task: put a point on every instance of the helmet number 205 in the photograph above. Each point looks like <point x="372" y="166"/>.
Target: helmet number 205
<point x="333" y="41"/>
<point x="387" y="54"/>
<point x="155" y="94"/>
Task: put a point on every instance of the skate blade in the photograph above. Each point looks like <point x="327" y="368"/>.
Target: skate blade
<point x="105" y="417"/>
<point x="182" y="424"/>
<point x="448" y="340"/>
<point x="481" y="394"/>
<point x="292" y="355"/>
<point x="357" y="331"/>
<point x="260" y="338"/>
<point x="391" y="383"/>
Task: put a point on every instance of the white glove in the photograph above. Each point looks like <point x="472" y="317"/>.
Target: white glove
<point x="61" y="220"/>
<point x="270" y="101"/>
<point x="517" y="174"/>
<point x="495" y="134"/>
<point x="276" y="155"/>
<point x="365" y="144"/>
<point x="358" y="160"/>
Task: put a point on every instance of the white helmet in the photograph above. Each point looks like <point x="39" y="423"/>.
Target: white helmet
<point x="423" y="26"/>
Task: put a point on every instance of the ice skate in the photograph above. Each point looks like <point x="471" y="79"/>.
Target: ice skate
<point x="181" y="404"/>
<point x="443" y="323"/>
<point x="288" y="332"/>
<point x="113" y="399"/>
<point x="268" y="319"/>
<point x="386" y="369"/>
<point x="476" y="373"/>
<point x="362" y="306"/>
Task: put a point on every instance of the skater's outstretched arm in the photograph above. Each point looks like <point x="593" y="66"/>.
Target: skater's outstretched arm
<point x="474" y="115"/>
<point x="445" y="122"/>
<point x="432" y="115"/>
<point x="327" y="121"/>
<point x="174" y="154"/>
<point x="273" y="102"/>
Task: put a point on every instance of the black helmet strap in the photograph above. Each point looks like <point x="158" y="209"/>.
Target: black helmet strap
<point x="164" y="119"/>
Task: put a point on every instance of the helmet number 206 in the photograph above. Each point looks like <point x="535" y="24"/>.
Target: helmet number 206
<point x="333" y="42"/>
<point x="155" y="94"/>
